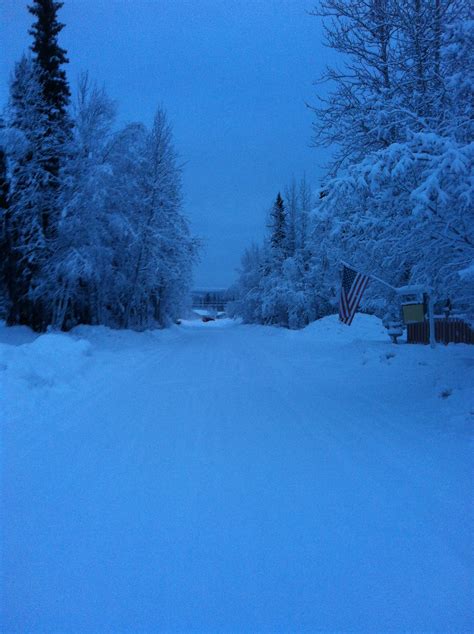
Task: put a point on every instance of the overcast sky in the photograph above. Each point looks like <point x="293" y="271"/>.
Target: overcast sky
<point x="233" y="75"/>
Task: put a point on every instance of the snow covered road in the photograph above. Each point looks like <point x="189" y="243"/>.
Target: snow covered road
<point x="230" y="478"/>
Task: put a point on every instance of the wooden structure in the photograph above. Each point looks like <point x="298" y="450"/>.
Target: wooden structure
<point x="417" y="304"/>
<point x="414" y="303"/>
<point x="451" y="330"/>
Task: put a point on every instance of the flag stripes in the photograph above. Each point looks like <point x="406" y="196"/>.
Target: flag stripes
<point x="352" y="289"/>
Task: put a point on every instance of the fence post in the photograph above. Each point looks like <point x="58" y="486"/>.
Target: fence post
<point x="432" y="321"/>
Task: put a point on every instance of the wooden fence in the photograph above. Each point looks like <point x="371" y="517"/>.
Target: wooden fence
<point x="446" y="331"/>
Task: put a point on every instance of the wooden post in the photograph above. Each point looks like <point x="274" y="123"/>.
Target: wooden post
<point x="431" y="321"/>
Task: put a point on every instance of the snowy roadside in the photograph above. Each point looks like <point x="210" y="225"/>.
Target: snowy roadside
<point x="440" y="379"/>
<point x="42" y="374"/>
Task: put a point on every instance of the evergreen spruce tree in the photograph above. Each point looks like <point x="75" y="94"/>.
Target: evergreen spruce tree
<point x="278" y="227"/>
<point x="37" y="111"/>
<point x="3" y="175"/>
<point x="3" y="211"/>
<point x="31" y="198"/>
<point x="50" y="58"/>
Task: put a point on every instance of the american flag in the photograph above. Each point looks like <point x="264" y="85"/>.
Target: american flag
<point x="352" y="289"/>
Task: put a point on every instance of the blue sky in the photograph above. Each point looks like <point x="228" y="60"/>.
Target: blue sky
<point x="233" y="75"/>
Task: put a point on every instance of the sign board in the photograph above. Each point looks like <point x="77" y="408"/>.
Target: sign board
<point x="413" y="313"/>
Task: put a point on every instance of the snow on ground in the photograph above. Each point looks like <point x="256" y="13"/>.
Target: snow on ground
<point x="227" y="478"/>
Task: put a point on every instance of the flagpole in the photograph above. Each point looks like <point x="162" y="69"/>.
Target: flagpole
<point x="373" y="277"/>
<point x="431" y="319"/>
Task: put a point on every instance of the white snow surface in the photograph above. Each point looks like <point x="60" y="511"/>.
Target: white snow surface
<point x="227" y="478"/>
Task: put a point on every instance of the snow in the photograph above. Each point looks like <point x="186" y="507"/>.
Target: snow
<point x="228" y="478"/>
<point x="202" y="312"/>
<point x="467" y="273"/>
<point x="364" y="327"/>
<point x="411" y="289"/>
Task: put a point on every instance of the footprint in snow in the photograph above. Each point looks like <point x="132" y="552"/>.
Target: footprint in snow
<point x="446" y="393"/>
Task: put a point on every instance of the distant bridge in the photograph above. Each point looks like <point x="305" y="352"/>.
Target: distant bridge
<point x="211" y="298"/>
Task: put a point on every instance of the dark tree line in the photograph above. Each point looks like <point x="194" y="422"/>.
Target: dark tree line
<point x="92" y="229"/>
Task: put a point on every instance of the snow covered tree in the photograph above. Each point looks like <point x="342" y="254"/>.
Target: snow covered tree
<point x="292" y="217"/>
<point x="50" y="58"/>
<point x="247" y="291"/>
<point x="123" y="253"/>
<point x="162" y="250"/>
<point x="398" y="200"/>
<point x="458" y="104"/>
<point x="421" y="27"/>
<point x="406" y="214"/>
<point x="351" y="117"/>
<point x="94" y="230"/>
<point x="33" y="195"/>
<point x="391" y="79"/>
<point x="276" y="281"/>
<point x="80" y="269"/>
<point x="3" y="172"/>
<point x="39" y="126"/>
<point x="305" y="203"/>
<point x="278" y="229"/>
<point x="4" y="187"/>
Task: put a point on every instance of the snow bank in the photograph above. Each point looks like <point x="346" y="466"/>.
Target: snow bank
<point x="16" y="335"/>
<point x="215" y="323"/>
<point x="37" y="378"/>
<point x="48" y="360"/>
<point x="121" y="340"/>
<point x="364" y="327"/>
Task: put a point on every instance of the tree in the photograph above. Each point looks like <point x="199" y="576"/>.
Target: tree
<point x="77" y="277"/>
<point x="398" y="199"/>
<point x="161" y="248"/>
<point x="405" y="213"/>
<point x="305" y="203"/>
<point x="246" y="291"/>
<point x="37" y="112"/>
<point x="458" y="106"/>
<point x="3" y="173"/>
<point x="32" y="195"/>
<point x="391" y="81"/>
<point x="4" y="187"/>
<point x="276" y="283"/>
<point x="93" y="229"/>
<point x="50" y="58"/>
<point x="278" y="229"/>
<point x="351" y="117"/>
<point x="292" y="217"/>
